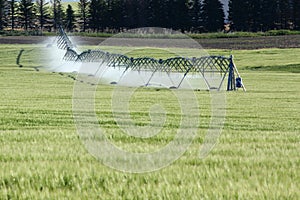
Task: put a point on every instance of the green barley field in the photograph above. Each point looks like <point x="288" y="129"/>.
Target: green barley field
<point x="257" y="155"/>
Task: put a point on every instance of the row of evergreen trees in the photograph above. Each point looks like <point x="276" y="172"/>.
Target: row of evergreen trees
<point x="184" y="15"/>
<point x="35" y="15"/>
<point x="263" y="15"/>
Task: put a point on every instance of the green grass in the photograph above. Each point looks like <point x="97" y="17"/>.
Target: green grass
<point x="243" y="34"/>
<point x="257" y="156"/>
<point x="195" y="35"/>
<point x="214" y="35"/>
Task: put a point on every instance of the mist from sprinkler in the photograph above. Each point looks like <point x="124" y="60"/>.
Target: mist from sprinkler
<point x="93" y="63"/>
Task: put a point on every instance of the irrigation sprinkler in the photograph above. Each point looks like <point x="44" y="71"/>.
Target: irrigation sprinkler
<point x="202" y="65"/>
<point x="19" y="57"/>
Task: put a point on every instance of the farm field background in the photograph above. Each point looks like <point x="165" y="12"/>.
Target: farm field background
<point x="234" y="43"/>
<point x="257" y="155"/>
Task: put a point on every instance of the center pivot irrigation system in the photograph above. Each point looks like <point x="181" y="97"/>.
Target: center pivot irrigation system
<point x="223" y="66"/>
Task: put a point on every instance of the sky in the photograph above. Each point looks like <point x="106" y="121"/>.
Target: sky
<point x="225" y="3"/>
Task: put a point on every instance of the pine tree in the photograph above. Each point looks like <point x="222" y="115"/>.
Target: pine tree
<point x="4" y="14"/>
<point x="212" y="15"/>
<point x="285" y="13"/>
<point x="239" y="14"/>
<point x="154" y="9"/>
<point x="26" y="13"/>
<point x="142" y="13"/>
<point x="83" y="6"/>
<point x="158" y="13"/>
<point x="131" y="14"/>
<point x="58" y="14"/>
<point x="194" y="9"/>
<point x="254" y="15"/>
<point x="177" y="14"/>
<point x="42" y="13"/>
<point x="2" y="22"/>
<point x="115" y="14"/>
<point x="12" y="13"/>
<point x="268" y="15"/>
<point x="97" y="12"/>
<point x="296" y="14"/>
<point x="93" y="14"/>
<point x="70" y="18"/>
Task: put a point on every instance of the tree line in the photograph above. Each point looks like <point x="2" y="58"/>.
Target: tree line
<point x="263" y="15"/>
<point x="116" y="15"/>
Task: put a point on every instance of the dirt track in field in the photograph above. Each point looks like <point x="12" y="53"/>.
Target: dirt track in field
<point x="288" y="41"/>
